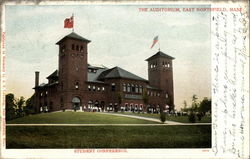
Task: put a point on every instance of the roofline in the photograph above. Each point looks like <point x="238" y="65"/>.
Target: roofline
<point x="125" y="78"/>
<point x="88" y="41"/>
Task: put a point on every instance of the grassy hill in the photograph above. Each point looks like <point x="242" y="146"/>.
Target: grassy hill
<point x="77" y="118"/>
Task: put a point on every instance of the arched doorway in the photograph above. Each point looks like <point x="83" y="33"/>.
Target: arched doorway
<point x="76" y="103"/>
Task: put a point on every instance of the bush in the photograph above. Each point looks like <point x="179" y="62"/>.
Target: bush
<point x="199" y="116"/>
<point x="192" y="118"/>
<point x="163" y="117"/>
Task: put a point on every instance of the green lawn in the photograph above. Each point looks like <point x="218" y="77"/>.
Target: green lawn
<point x="77" y="118"/>
<point x="108" y="137"/>
<point x="182" y="119"/>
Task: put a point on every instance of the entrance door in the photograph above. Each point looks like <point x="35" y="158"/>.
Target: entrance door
<point x="76" y="103"/>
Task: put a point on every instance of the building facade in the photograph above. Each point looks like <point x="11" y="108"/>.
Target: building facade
<point x="81" y="86"/>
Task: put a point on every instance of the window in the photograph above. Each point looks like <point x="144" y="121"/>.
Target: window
<point x="132" y="88"/>
<point x="140" y="89"/>
<point x="136" y="88"/>
<point x="158" y="94"/>
<point x="93" y="88"/>
<point x="103" y="88"/>
<point x="129" y="88"/>
<point x="77" y="48"/>
<point x="124" y="87"/>
<point x="81" y="49"/>
<point x="73" y="46"/>
<point x="98" y="89"/>
<point x="77" y="85"/>
<point x="41" y="94"/>
<point x="46" y="93"/>
<point x="63" y="48"/>
<point x="113" y="87"/>
<point x="89" y="87"/>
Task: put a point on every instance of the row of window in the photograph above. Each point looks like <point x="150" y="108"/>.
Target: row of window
<point x="132" y="88"/>
<point x="151" y="93"/>
<point x="164" y="64"/>
<point x="95" y="88"/>
<point x="73" y="47"/>
<point x="77" y="47"/>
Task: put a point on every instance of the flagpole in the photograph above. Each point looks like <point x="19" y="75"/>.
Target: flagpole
<point x="73" y="22"/>
<point x="159" y="44"/>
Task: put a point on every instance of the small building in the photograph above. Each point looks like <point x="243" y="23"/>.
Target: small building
<point x="81" y="86"/>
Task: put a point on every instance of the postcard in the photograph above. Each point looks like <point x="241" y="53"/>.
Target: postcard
<point x="125" y="79"/>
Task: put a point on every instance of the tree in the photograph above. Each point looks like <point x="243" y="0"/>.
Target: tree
<point x="205" y="106"/>
<point x="20" y="104"/>
<point x="194" y="103"/>
<point x="184" y="106"/>
<point x="30" y="107"/>
<point x="119" y="98"/>
<point x="163" y="117"/>
<point x="10" y="107"/>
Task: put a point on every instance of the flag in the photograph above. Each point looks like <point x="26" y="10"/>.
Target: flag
<point x="69" y="22"/>
<point x="154" y="41"/>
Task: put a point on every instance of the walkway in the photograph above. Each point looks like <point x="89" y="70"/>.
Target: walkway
<point x="167" y="122"/>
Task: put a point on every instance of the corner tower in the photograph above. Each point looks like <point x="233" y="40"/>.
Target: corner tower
<point x="160" y="75"/>
<point x="73" y="67"/>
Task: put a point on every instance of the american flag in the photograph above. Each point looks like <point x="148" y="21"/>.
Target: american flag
<point x="154" y="41"/>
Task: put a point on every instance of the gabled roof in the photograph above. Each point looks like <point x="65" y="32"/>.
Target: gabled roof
<point x="160" y="54"/>
<point x="74" y="36"/>
<point x="118" y="72"/>
<point x="54" y="74"/>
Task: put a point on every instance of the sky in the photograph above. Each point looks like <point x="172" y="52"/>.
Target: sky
<point x="120" y="36"/>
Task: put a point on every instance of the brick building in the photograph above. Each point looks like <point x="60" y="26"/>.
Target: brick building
<point x="79" y="85"/>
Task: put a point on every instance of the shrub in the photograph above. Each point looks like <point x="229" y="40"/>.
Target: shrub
<point x="199" y="116"/>
<point x="163" y="117"/>
<point x="192" y="118"/>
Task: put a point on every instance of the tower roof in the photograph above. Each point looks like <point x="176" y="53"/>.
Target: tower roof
<point x="73" y="36"/>
<point x="159" y="54"/>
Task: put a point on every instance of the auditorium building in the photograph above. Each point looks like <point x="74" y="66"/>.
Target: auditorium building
<point x="78" y="85"/>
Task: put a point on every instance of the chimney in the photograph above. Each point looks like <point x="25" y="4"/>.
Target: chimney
<point x="36" y="78"/>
